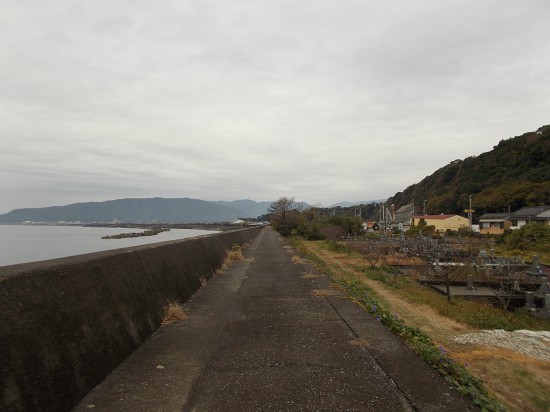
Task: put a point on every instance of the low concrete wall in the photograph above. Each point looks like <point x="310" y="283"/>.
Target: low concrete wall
<point x="66" y="323"/>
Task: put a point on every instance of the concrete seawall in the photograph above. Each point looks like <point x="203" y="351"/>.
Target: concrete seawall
<point x="66" y="323"/>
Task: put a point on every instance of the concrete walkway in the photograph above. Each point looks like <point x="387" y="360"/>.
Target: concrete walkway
<point x="261" y="337"/>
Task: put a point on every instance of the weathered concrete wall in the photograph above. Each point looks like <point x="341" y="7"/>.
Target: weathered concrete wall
<point x="66" y="323"/>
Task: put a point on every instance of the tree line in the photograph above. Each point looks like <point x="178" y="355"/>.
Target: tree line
<point x="313" y="223"/>
<point x="316" y="223"/>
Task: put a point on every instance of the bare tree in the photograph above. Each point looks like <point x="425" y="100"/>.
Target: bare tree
<point x="446" y="264"/>
<point x="371" y="250"/>
<point x="283" y="212"/>
<point x="504" y="276"/>
<point x="397" y="256"/>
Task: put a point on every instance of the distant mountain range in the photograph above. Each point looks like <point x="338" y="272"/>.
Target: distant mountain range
<point x="360" y="202"/>
<point x="149" y="210"/>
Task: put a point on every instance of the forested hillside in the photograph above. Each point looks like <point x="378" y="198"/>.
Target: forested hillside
<point x="514" y="174"/>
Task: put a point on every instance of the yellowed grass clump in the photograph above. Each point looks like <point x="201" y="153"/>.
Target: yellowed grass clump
<point x="235" y="253"/>
<point x="298" y="260"/>
<point x="172" y="312"/>
<point x="324" y="292"/>
<point x="359" y="342"/>
<point x="309" y="275"/>
<point x="232" y="255"/>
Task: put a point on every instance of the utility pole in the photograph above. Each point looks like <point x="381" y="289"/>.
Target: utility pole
<point x="470" y="212"/>
<point x="424" y="208"/>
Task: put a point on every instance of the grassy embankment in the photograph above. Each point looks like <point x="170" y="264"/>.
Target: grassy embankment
<point x="491" y="375"/>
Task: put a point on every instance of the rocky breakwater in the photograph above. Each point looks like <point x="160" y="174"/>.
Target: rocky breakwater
<point x="148" y="232"/>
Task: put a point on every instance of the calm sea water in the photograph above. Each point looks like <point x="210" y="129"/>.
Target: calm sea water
<point x="25" y="243"/>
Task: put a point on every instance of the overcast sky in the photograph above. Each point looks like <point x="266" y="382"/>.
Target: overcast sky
<point x="321" y="100"/>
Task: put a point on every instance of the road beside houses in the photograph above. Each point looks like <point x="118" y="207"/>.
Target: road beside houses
<point x="262" y="336"/>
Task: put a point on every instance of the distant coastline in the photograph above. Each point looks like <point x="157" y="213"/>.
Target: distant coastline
<point x="218" y="227"/>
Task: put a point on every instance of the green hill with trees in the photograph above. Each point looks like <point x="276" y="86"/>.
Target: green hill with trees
<point x="516" y="173"/>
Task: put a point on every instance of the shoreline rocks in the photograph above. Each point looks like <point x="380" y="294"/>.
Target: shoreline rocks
<point x="148" y="232"/>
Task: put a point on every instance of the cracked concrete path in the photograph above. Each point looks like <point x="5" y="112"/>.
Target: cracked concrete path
<point x="261" y="336"/>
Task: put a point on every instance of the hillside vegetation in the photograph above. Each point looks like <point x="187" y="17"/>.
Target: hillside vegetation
<point x="516" y="173"/>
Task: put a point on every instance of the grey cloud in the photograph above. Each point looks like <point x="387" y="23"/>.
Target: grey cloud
<point x="324" y="100"/>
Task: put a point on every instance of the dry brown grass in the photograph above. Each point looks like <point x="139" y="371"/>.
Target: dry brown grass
<point x="289" y="249"/>
<point x="235" y="254"/>
<point x="324" y="292"/>
<point x="309" y="275"/>
<point x="172" y="312"/>
<point x="359" y="342"/>
<point x="298" y="260"/>
<point x="520" y="380"/>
